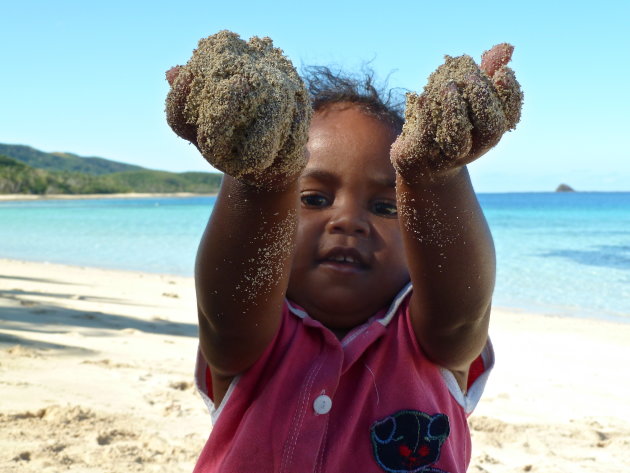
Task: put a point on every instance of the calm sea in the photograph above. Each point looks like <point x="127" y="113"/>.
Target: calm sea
<point x="558" y="253"/>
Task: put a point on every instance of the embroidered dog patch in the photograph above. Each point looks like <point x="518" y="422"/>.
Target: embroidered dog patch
<point x="409" y="441"/>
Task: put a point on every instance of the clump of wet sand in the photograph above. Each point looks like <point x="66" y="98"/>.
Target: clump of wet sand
<point x="463" y="111"/>
<point x="243" y="105"/>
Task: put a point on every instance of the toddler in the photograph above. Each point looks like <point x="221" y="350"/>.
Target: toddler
<point x="345" y="278"/>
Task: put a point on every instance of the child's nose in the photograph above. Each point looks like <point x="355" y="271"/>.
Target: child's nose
<point x="350" y="219"/>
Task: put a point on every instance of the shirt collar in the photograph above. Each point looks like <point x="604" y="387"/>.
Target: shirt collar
<point x="384" y="317"/>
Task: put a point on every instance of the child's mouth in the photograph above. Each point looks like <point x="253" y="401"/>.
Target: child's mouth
<point x="345" y="260"/>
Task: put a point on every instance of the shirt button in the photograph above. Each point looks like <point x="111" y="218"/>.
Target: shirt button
<point x="322" y="404"/>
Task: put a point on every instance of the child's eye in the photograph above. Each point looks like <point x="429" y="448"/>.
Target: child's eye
<point x="385" y="209"/>
<point x="314" y="200"/>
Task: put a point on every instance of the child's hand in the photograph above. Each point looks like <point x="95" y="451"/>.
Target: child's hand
<point x="244" y="106"/>
<point x="462" y="113"/>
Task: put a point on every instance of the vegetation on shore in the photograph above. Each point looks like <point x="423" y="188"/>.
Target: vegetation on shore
<point x="29" y="171"/>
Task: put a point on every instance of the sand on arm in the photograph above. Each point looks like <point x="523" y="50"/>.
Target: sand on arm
<point x="243" y="105"/>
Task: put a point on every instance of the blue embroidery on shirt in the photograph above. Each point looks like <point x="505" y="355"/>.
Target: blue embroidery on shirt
<point x="409" y="441"/>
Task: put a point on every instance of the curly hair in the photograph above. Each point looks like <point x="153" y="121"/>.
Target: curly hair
<point x="327" y="87"/>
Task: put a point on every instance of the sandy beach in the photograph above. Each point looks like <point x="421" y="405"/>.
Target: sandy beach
<point x="96" y="376"/>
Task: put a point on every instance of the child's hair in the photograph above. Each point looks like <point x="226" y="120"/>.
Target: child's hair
<point x="327" y="87"/>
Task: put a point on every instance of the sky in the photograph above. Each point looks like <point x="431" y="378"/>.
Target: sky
<point x="88" y="77"/>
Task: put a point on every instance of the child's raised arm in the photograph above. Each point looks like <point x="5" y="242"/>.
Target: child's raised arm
<point x="462" y="113"/>
<point x="245" y="107"/>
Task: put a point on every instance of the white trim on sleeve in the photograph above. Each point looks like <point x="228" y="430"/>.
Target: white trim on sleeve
<point x="387" y="318"/>
<point x="202" y="387"/>
<point x="471" y="398"/>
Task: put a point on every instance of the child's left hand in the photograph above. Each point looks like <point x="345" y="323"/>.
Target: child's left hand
<point x="462" y="113"/>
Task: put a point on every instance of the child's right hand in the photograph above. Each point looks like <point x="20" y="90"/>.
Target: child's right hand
<point x="461" y="114"/>
<point x="243" y="105"/>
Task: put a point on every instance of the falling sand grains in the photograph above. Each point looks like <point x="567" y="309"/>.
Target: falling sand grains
<point x="258" y="279"/>
<point x="425" y="221"/>
<point x="243" y="105"/>
<point x="463" y="111"/>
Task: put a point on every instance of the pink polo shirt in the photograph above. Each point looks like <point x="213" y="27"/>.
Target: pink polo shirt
<point x="371" y="402"/>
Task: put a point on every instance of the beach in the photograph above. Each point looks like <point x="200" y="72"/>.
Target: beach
<point x="96" y="373"/>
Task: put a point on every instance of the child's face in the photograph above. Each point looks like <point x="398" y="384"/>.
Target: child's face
<point x="349" y="261"/>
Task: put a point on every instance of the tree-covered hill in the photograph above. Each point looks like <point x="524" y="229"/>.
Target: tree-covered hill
<point x="16" y="177"/>
<point x="19" y="178"/>
<point x="161" y="181"/>
<point x="64" y="161"/>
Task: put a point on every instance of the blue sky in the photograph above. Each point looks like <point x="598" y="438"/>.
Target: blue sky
<point x="88" y="77"/>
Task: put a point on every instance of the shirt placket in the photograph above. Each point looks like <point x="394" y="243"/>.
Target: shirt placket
<point x="305" y="444"/>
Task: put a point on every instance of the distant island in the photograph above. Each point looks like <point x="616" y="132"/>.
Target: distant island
<point x="26" y="170"/>
<point x="564" y="188"/>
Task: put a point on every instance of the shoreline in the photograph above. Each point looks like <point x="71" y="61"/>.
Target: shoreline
<point x="541" y="311"/>
<point x="141" y="195"/>
<point x="61" y="267"/>
<point x="129" y="195"/>
<point x="97" y="366"/>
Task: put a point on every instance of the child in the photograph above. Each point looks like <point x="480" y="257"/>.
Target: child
<point x="316" y="352"/>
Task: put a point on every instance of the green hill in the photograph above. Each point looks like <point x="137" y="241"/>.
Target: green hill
<point x="161" y="181"/>
<point x="18" y="177"/>
<point x="64" y="161"/>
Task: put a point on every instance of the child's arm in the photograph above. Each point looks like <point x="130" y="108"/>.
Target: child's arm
<point x="241" y="275"/>
<point x="246" y="109"/>
<point x="461" y="114"/>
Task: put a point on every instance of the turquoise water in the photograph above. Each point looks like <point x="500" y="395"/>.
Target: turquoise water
<point x="558" y="253"/>
<point x="562" y="253"/>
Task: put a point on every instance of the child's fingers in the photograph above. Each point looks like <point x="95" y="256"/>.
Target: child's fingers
<point x="423" y="130"/>
<point x="510" y="94"/>
<point x="453" y="132"/>
<point x="495" y="58"/>
<point x="292" y="150"/>
<point x="177" y="96"/>
<point x="172" y="74"/>
<point x="235" y="108"/>
<point x="485" y="112"/>
<point x="220" y="124"/>
<point x="417" y="141"/>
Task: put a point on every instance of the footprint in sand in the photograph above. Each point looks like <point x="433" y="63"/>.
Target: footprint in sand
<point x="130" y="331"/>
<point x="28" y="303"/>
<point x="56" y="447"/>
<point x="105" y="438"/>
<point x="181" y="385"/>
<point x="24" y="456"/>
<point x="19" y="350"/>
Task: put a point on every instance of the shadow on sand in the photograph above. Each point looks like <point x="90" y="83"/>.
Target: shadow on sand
<point x="28" y="316"/>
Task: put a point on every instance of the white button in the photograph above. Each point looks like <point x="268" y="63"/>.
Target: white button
<point x="322" y="404"/>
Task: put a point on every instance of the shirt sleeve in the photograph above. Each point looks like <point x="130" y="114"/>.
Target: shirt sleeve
<point x="478" y="372"/>
<point x="203" y="381"/>
<point x="478" y="375"/>
<point x="203" y="376"/>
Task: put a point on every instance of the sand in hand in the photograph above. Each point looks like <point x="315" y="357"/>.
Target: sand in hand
<point x="462" y="112"/>
<point x="243" y="105"/>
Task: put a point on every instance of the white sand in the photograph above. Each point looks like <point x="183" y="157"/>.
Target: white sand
<point x="96" y="371"/>
<point x="96" y="376"/>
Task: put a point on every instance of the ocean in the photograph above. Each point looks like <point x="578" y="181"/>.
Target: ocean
<point x="557" y="253"/>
